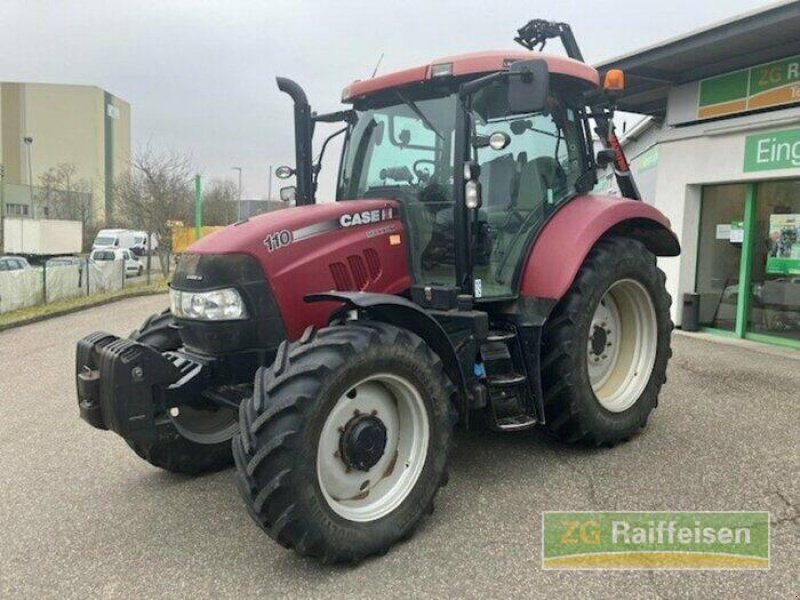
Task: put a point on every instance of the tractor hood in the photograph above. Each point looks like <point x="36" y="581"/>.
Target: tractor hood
<point x="353" y="245"/>
<point x="272" y="231"/>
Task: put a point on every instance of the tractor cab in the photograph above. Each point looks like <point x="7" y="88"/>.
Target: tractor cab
<point x="426" y="143"/>
<point x="477" y="149"/>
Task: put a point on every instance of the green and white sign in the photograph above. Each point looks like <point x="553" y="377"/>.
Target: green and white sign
<point x="774" y="150"/>
<point x="657" y="540"/>
<point x="647" y="160"/>
<point x="772" y="84"/>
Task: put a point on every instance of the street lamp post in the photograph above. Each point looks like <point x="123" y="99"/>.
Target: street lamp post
<point x="28" y="141"/>
<point x="239" y="203"/>
<point x="2" y="207"/>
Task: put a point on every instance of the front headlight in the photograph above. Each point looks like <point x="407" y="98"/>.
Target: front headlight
<point x="216" y="305"/>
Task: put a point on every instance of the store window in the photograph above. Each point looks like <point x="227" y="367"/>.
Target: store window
<point x="775" y="267"/>
<point x="719" y="254"/>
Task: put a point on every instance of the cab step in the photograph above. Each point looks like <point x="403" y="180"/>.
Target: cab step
<point x="496" y="336"/>
<point x="515" y="423"/>
<point x="507" y="380"/>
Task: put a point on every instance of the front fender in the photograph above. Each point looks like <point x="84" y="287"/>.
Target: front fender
<point x="567" y="238"/>
<point x="403" y="313"/>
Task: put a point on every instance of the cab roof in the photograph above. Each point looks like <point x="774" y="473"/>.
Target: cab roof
<point x="468" y="64"/>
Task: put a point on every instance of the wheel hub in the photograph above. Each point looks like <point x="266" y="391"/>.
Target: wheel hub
<point x="363" y="442"/>
<point x="379" y="425"/>
<point x="598" y="340"/>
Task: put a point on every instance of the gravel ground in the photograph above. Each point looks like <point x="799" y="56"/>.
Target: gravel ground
<point x="81" y="516"/>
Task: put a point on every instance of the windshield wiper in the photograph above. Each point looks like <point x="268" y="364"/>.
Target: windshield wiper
<point x="415" y="109"/>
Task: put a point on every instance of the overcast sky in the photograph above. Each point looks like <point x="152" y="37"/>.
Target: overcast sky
<point x="200" y="74"/>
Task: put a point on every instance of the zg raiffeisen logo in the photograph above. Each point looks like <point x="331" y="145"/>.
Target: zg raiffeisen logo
<point x="643" y="540"/>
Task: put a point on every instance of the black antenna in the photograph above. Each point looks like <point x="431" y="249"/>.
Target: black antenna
<point x="377" y="65"/>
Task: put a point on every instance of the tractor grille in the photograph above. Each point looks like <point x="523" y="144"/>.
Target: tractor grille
<point x="373" y="263"/>
<point x="341" y="276"/>
<point x="358" y="272"/>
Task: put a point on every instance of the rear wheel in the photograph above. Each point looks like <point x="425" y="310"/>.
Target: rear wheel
<point x="198" y="439"/>
<point x="344" y="443"/>
<point x="607" y="345"/>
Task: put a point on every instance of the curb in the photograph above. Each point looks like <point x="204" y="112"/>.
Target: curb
<point x="73" y="309"/>
<point x="744" y="344"/>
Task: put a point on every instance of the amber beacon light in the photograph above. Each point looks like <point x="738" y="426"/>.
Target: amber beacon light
<point x="614" y="80"/>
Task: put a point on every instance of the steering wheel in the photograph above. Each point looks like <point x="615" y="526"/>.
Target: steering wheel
<point x="424" y="175"/>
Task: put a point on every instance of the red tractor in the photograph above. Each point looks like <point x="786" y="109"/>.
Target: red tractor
<point x="465" y="273"/>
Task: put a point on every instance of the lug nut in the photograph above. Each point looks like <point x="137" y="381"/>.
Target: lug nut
<point x="340" y="429"/>
<point x="356" y="412"/>
<point x="374" y="412"/>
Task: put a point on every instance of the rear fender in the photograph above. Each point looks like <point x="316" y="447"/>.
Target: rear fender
<point x="567" y="238"/>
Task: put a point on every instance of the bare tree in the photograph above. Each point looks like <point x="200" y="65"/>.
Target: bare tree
<point x="157" y="191"/>
<point x="219" y="202"/>
<point x="62" y="194"/>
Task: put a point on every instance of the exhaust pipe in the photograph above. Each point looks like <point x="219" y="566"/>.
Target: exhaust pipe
<point x="303" y="132"/>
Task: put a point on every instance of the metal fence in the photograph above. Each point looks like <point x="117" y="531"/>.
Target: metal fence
<point x="56" y="281"/>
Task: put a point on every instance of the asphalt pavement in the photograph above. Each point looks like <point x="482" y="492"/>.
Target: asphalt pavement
<point x="81" y="516"/>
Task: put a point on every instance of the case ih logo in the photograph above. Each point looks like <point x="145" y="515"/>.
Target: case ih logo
<point x="365" y="217"/>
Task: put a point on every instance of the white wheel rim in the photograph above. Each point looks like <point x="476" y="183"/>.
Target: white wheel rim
<point x="363" y="496"/>
<point x="206" y="426"/>
<point x="622" y="345"/>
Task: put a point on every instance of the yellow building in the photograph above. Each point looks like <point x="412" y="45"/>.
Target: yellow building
<point x="45" y="125"/>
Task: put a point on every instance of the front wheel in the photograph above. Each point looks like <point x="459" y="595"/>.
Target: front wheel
<point x="606" y="346"/>
<point x="344" y="443"/>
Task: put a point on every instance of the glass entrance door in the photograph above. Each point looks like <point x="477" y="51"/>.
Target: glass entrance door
<point x="719" y="254"/>
<point x="775" y="268"/>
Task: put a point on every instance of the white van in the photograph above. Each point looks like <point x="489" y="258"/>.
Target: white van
<point x="139" y="246"/>
<point x="135" y="241"/>
<point x="113" y="238"/>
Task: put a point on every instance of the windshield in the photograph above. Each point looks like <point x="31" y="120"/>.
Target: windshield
<point x="402" y="151"/>
<point x="105" y="241"/>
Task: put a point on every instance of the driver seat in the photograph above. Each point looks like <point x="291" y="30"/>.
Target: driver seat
<point x="536" y="178"/>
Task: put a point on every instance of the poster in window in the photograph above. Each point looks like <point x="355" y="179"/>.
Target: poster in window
<point x="783" y="257"/>
<point x="737" y="232"/>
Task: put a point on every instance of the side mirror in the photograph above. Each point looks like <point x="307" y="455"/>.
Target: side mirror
<point x="605" y="158"/>
<point x="288" y="194"/>
<point x="528" y="86"/>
